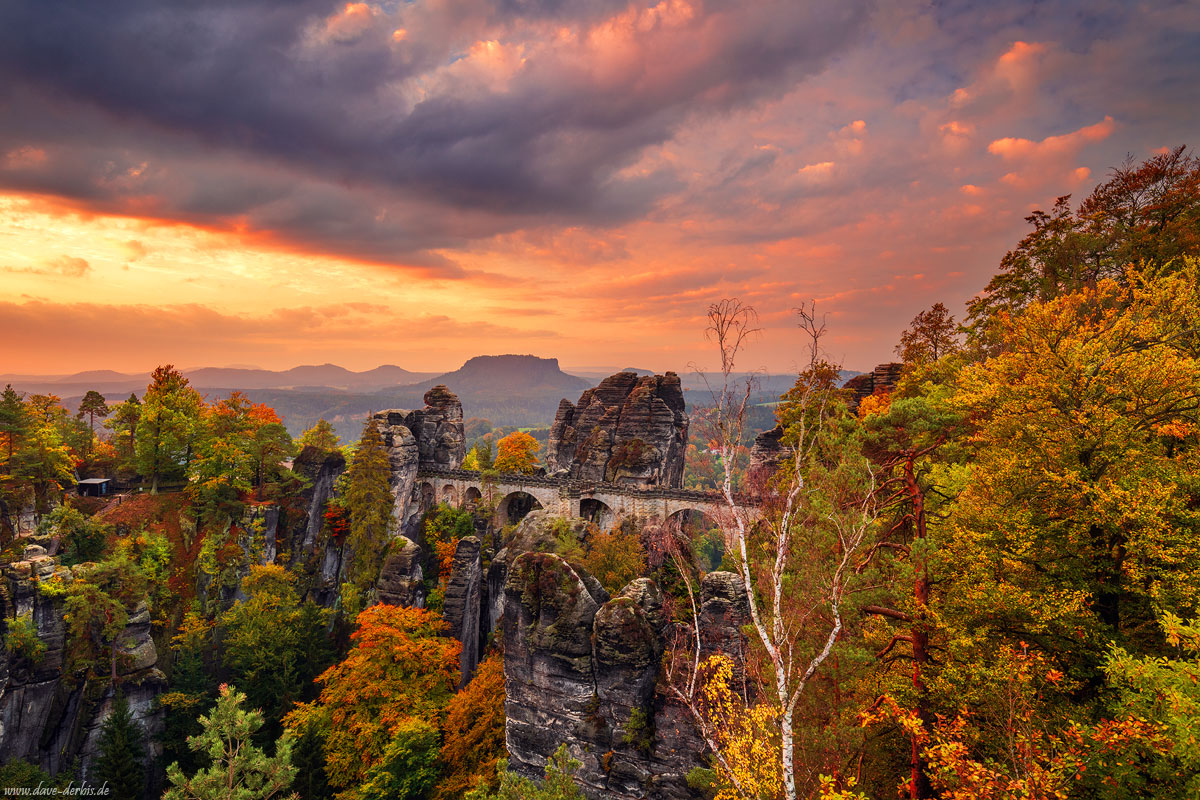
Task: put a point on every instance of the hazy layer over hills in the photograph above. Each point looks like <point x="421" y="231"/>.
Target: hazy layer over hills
<point x="508" y="390"/>
<point x="328" y="376"/>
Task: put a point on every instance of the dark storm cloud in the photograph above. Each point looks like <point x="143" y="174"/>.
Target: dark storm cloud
<point x="382" y="132"/>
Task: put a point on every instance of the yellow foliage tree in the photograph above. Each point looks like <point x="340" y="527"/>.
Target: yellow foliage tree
<point x="1078" y="516"/>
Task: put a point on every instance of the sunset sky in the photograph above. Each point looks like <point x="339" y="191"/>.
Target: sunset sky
<point x="281" y="183"/>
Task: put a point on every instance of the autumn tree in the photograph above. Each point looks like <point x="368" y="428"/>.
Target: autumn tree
<point x="931" y="335"/>
<point x="242" y="445"/>
<point x="167" y="426"/>
<point x="1077" y="520"/>
<point x="321" y="436"/>
<point x="480" y="456"/>
<point x="1144" y="213"/>
<point x="473" y="735"/>
<point x="43" y="461"/>
<point x="517" y="453"/>
<point x="1148" y="212"/>
<point x="123" y="421"/>
<point x="1014" y="746"/>
<point x="1166" y="689"/>
<point x="238" y="769"/>
<point x="380" y="709"/>
<point x="97" y="603"/>
<point x="615" y="558"/>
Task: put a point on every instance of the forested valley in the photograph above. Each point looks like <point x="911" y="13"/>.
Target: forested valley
<point x="982" y="581"/>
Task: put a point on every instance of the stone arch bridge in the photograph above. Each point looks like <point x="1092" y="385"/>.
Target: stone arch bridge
<point x="515" y="495"/>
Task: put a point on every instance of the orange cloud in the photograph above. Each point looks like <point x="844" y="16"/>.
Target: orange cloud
<point x="348" y="24"/>
<point x="816" y="173"/>
<point x="1019" y="65"/>
<point x="1052" y="147"/>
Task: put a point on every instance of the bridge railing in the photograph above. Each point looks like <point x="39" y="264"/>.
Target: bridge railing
<point x="575" y="486"/>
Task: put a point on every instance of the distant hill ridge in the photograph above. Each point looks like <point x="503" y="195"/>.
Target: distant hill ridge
<point x="522" y="374"/>
<point x="319" y="375"/>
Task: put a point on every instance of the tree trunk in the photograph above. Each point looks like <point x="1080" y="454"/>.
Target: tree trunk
<point x="788" y="747"/>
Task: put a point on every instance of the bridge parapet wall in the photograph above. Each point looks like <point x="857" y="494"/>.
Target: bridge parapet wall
<point x="563" y="496"/>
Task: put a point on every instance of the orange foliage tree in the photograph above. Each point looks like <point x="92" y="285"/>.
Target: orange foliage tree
<point x="398" y="677"/>
<point x="1016" y="750"/>
<point x="473" y="737"/>
<point x="517" y="453"/>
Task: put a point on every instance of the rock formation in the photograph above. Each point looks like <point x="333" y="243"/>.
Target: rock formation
<point x="463" y="604"/>
<point x="437" y="429"/>
<point x="881" y="379"/>
<point x="548" y="666"/>
<point x="50" y="718"/>
<point x="765" y="456"/>
<point x="627" y="430"/>
<point x="321" y="470"/>
<point x="581" y="668"/>
<point x="402" y="579"/>
<point x="430" y="437"/>
<point x="768" y="449"/>
<point x="404" y="459"/>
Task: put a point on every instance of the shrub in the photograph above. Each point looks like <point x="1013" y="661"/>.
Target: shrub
<point x="22" y="640"/>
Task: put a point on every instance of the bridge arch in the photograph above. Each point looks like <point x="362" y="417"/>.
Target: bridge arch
<point x="695" y="518"/>
<point x="515" y="506"/>
<point x="704" y="532"/>
<point x="597" y="512"/>
<point x="426" y="495"/>
<point x="449" y="495"/>
<point x="472" y="496"/>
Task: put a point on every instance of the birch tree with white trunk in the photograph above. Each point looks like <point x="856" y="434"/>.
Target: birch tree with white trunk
<point x="794" y="537"/>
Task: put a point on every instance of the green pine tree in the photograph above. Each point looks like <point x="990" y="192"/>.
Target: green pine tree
<point x="368" y="499"/>
<point x="191" y="693"/>
<point x="122" y="753"/>
<point x="309" y="760"/>
<point x="238" y="770"/>
<point x="93" y="405"/>
<point x="14" y="421"/>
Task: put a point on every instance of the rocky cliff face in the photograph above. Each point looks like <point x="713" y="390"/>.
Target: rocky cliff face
<point x="404" y="456"/>
<point x="321" y="471"/>
<point x="428" y="437"/>
<point x="581" y="668"/>
<point x="53" y="719"/>
<point x="463" y="605"/>
<point x="881" y="379"/>
<point x="627" y="430"/>
<point x="765" y="456"/>
<point x="402" y="579"/>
